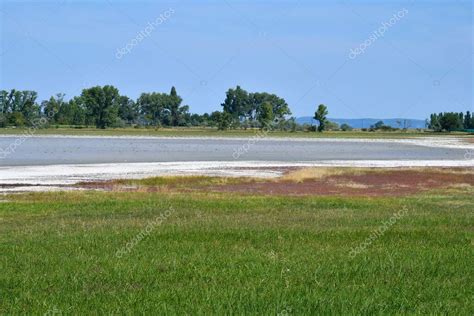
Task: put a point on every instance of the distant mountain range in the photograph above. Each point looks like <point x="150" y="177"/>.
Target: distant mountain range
<point x="367" y="122"/>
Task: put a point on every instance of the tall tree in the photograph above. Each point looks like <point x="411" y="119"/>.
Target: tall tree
<point x="183" y="115"/>
<point x="214" y="118"/>
<point x="468" y="120"/>
<point x="434" y="123"/>
<point x="102" y="104"/>
<point x="450" y="121"/>
<point x="265" y="115"/>
<point x="6" y="100"/>
<point x="152" y="106"/>
<point x="27" y="105"/>
<point x="18" y="107"/>
<point x="71" y="113"/>
<point x="245" y="107"/>
<point x="52" y="107"/>
<point x="225" y="121"/>
<point x="236" y="103"/>
<point x="173" y="106"/>
<point x="321" y="116"/>
<point x="279" y="106"/>
<point x="128" y="110"/>
<point x="75" y="112"/>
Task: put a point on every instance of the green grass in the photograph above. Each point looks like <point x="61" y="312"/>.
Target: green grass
<point x="231" y="254"/>
<point x="183" y="132"/>
<point x="184" y="181"/>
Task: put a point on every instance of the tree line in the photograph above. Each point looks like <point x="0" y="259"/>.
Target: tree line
<point x="104" y="106"/>
<point x="99" y="106"/>
<point x="450" y="121"/>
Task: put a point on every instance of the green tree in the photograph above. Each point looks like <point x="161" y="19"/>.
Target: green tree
<point x="205" y="120"/>
<point x="52" y="108"/>
<point x="214" y="118"/>
<point x="18" y="107"/>
<point x="6" y="100"/>
<point x="279" y="106"/>
<point x="434" y="123"/>
<point x="321" y="116"/>
<point x="450" y="121"/>
<point x="378" y="125"/>
<point x="245" y="107"/>
<point x="346" y="127"/>
<point x="163" y="109"/>
<point x="72" y="112"/>
<point x="292" y="124"/>
<point x="173" y="106"/>
<point x="102" y="105"/>
<point x="236" y="103"/>
<point x="225" y="121"/>
<point x="28" y="107"/>
<point x="195" y="120"/>
<point x="468" y="120"/>
<point x="17" y="119"/>
<point x="152" y="106"/>
<point x="265" y="115"/>
<point x="286" y="124"/>
<point x="128" y="110"/>
<point x="332" y="126"/>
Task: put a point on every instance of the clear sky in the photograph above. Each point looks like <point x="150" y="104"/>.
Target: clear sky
<point x="419" y="62"/>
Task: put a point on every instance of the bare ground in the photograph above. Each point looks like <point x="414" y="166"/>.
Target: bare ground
<point x="313" y="181"/>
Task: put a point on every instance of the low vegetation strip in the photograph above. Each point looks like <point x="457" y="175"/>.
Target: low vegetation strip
<point x="306" y="181"/>
<point x="210" y="132"/>
<point x="226" y="253"/>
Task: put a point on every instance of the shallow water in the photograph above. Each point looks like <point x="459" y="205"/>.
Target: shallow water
<point x="77" y="150"/>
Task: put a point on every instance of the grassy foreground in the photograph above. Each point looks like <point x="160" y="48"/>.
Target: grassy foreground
<point x="98" y="252"/>
<point x="209" y="132"/>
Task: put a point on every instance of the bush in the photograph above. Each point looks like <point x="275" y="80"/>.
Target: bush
<point x="332" y="126"/>
<point x="3" y="120"/>
<point x="118" y="123"/>
<point x="225" y="121"/>
<point x="346" y="127"/>
<point x="17" y="119"/>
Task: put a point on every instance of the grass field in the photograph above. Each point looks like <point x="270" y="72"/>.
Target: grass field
<point x="201" y="253"/>
<point x="207" y="132"/>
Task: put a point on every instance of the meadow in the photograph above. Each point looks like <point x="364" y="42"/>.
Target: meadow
<point x="98" y="252"/>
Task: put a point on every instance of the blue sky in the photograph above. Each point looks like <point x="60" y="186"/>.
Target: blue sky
<point x="299" y="50"/>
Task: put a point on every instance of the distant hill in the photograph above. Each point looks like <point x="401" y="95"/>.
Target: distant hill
<point x="367" y="122"/>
